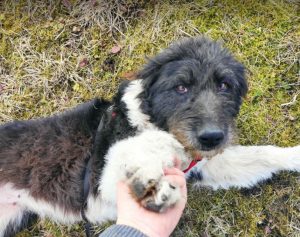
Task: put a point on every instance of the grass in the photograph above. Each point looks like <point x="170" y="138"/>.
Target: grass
<point x="56" y="54"/>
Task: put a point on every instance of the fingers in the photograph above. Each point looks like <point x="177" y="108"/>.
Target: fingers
<point x="177" y="178"/>
<point x="173" y="171"/>
<point x="124" y="194"/>
<point x="122" y="188"/>
<point x="177" y="163"/>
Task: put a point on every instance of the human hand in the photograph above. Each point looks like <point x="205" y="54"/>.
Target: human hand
<point x="153" y="224"/>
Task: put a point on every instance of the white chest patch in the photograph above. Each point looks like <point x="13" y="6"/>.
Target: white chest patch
<point x="135" y="116"/>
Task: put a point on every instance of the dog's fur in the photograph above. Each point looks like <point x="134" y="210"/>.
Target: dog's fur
<point x="192" y="90"/>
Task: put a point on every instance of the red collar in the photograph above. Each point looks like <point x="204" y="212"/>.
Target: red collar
<point x="114" y="114"/>
<point x="192" y="164"/>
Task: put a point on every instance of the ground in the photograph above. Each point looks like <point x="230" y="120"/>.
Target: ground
<point x="56" y="54"/>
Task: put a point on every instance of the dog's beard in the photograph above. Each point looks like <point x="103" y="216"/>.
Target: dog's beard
<point x="185" y="141"/>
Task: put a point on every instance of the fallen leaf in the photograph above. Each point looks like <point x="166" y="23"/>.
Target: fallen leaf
<point x="83" y="62"/>
<point x="116" y="49"/>
<point x="129" y="75"/>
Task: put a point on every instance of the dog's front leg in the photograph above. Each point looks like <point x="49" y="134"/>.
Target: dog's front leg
<point x="245" y="166"/>
<point x="140" y="161"/>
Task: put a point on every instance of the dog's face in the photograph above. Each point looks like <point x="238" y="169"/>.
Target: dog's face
<point x="194" y="90"/>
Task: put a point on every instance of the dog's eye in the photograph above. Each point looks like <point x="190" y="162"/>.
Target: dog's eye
<point x="181" y="89"/>
<point x="223" y="87"/>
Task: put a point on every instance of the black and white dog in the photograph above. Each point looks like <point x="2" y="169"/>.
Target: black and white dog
<point x="183" y="106"/>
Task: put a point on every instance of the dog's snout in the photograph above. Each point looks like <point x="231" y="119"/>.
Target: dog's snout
<point x="211" y="139"/>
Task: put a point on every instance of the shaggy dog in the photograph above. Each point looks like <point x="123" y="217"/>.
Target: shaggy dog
<point x="66" y="167"/>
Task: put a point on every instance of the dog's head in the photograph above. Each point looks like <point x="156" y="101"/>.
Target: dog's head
<point x="194" y="90"/>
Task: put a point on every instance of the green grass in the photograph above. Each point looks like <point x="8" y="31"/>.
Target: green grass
<point x="43" y="42"/>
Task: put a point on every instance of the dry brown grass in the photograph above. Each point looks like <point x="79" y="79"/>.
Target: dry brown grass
<point x="53" y="57"/>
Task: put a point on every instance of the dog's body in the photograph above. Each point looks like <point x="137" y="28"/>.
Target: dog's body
<point x="192" y="90"/>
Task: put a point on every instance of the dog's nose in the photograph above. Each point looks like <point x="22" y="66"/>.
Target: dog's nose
<point x="211" y="139"/>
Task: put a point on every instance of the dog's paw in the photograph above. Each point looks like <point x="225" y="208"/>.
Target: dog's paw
<point x="166" y="195"/>
<point x="139" y="161"/>
<point x="154" y="193"/>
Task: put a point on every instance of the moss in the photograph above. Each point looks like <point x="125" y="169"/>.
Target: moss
<point x="42" y="75"/>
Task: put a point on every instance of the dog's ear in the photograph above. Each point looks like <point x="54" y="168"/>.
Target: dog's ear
<point x="240" y="72"/>
<point x="240" y="81"/>
<point x="185" y="48"/>
<point x="150" y="73"/>
<point x="244" y="86"/>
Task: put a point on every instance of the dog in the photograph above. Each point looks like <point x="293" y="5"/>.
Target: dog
<point x="183" y="105"/>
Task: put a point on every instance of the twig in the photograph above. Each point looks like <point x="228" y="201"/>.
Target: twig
<point x="291" y="102"/>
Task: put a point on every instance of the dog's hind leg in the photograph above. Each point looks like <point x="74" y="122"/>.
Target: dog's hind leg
<point x="13" y="216"/>
<point x="13" y="219"/>
<point x="244" y="166"/>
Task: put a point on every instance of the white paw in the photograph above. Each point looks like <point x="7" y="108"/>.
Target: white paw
<point x="140" y="161"/>
<point x="153" y="192"/>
